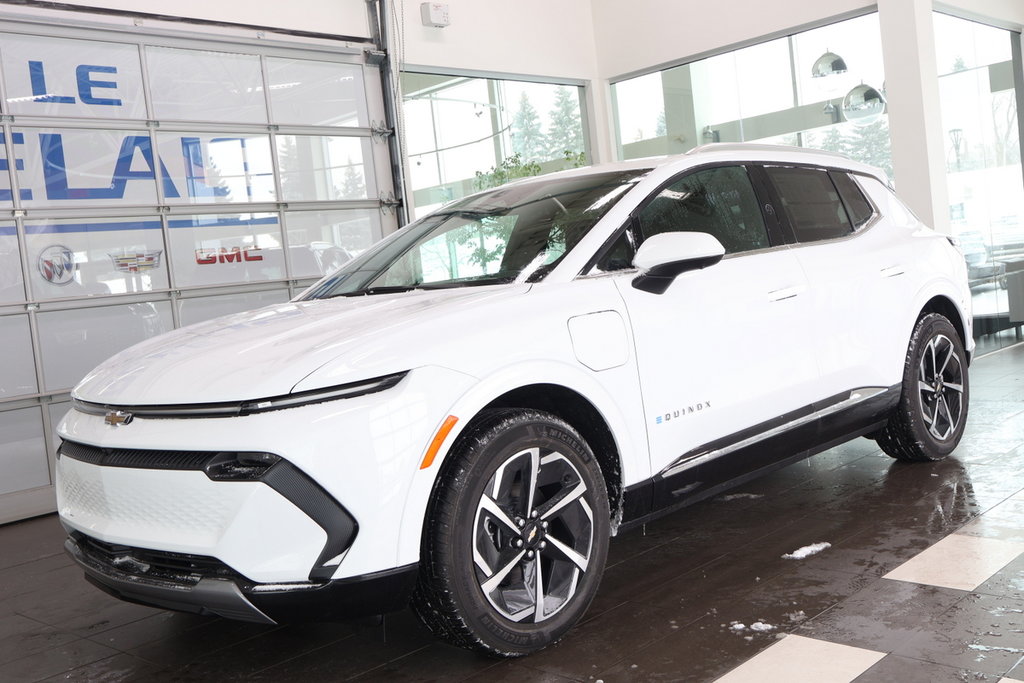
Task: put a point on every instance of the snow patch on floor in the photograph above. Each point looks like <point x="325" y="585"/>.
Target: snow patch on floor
<point x="806" y="551"/>
<point x="739" y="496"/>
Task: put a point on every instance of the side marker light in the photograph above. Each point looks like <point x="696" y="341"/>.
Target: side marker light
<point x="435" y="445"/>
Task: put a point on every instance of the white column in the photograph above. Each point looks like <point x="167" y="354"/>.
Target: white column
<point x="912" y="89"/>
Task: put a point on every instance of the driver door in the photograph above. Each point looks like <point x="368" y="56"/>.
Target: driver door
<point x="726" y="350"/>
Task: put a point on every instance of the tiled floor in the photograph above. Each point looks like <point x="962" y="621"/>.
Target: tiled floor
<point x="923" y="581"/>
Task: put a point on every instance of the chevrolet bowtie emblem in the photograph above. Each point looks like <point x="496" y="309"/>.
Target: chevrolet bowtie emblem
<point x="118" y="417"/>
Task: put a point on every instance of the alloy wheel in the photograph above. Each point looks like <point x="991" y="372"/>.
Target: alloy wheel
<point x="941" y="385"/>
<point x="533" y="535"/>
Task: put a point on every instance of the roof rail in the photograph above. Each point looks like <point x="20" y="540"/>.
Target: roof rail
<point x="757" y="147"/>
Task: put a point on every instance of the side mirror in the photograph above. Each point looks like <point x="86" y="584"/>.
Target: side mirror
<point x="661" y="258"/>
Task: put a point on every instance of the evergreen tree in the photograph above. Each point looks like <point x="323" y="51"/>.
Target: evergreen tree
<point x="527" y="136"/>
<point x="832" y="141"/>
<point x="353" y="184"/>
<point x="660" y="127"/>
<point x="871" y="145"/>
<point x="565" y="132"/>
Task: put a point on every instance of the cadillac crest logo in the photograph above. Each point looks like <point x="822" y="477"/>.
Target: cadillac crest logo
<point x="57" y="264"/>
<point x="136" y="263"/>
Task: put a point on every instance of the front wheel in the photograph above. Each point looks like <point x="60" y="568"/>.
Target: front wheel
<point x="516" y="535"/>
<point x="932" y="412"/>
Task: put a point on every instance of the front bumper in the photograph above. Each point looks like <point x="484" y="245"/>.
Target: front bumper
<point x="203" y="585"/>
<point x="363" y="453"/>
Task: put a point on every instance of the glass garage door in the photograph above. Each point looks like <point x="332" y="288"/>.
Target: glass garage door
<point x="150" y="183"/>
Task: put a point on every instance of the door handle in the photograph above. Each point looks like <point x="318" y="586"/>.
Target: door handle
<point x="893" y="271"/>
<point x="785" y="293"/>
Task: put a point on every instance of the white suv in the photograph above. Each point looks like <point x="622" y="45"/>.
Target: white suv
<point x="464" y="414"/>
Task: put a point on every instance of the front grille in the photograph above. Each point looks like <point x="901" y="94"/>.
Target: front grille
<point x="178" y="568"/>
<point x="142" y="459"/>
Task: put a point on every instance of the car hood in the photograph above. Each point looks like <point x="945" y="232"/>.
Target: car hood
<point x="266" y="352"/>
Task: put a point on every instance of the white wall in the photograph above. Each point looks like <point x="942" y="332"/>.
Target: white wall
<point x="335" y="17"/>
<point x="641" y="34"/>
<point x="531" y="37"/>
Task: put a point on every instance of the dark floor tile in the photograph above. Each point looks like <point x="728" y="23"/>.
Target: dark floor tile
<point x="895" y="668"/>
<point x="73" y="604"/>
<point x="30" y="540"/>
<point x="370" y="647"/>
<point x="435" y="663"/>
<point x="653" y="570"/>
<point x="699" y="652"/>
<point x="882" y="616"/>
<point x="990" y="411"/>
<point x="120" y="667"/>
<point x="54" y="661"/>
<point x="796" y="595"/>
<point x="980" y="632"/>
<point x="877" y="550"/>
<point x="241" y="660"/>
<point x="182" y="648"/>
<point x="1007" y="582"/>
<point x="517" y="671"/>
<point x="161" y="626"/>
<point x="21" y="636"/>
<point x="617" y="634"/>
<point x="31" y="576"/>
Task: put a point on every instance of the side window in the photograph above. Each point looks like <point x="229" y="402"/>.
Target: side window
<point x="857" y="205"/>
<point x="812" y="203"/>
<point x="719" y="201"/>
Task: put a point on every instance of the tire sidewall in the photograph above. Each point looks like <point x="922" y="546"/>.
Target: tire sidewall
<point x="510" y="436"/>
<point x="927" y="328"/>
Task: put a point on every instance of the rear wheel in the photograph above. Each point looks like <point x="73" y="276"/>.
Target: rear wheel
<point x="516" y="536"/>
<point x="932" y="413"/>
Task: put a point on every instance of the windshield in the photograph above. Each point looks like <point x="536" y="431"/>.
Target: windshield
<point x="513" y="233"/>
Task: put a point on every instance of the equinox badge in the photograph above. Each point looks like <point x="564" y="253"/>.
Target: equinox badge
<point x="117" y="418"/>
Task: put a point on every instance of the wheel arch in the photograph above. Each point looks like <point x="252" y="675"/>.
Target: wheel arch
<point x="945" y="307"/>
<point x="584" y="417"/>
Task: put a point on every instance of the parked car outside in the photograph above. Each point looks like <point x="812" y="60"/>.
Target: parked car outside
<point x="463" y="415"/>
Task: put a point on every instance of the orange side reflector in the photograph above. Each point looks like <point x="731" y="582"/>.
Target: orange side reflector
<point x="439" y="438"/>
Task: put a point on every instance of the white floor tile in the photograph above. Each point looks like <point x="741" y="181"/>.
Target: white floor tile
<point x="958" y="561"/>
<point x="796" y="659"/>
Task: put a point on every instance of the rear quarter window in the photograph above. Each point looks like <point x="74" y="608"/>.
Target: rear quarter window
<point x="857" y="205"/>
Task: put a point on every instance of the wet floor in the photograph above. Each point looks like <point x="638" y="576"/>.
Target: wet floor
<point x="922" y="580"/>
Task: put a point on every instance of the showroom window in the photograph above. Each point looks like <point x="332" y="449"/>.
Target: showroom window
<point x="151" y="182"/>
<point x="983" y="169"/>
<point x="466" y="134"/>
<point x="822" y="88"/>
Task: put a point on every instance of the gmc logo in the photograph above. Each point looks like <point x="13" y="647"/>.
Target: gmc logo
<point x="232" y="255"/>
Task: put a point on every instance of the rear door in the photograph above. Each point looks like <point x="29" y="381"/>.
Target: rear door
<point x="855" y="270"/>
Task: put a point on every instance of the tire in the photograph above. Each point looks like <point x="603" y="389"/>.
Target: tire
<point x="929" y="420"/>
<point x="483" y="545"/>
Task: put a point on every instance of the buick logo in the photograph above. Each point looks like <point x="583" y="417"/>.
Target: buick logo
<point x="57" y="264"/>
<point x="117" y="418"/>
